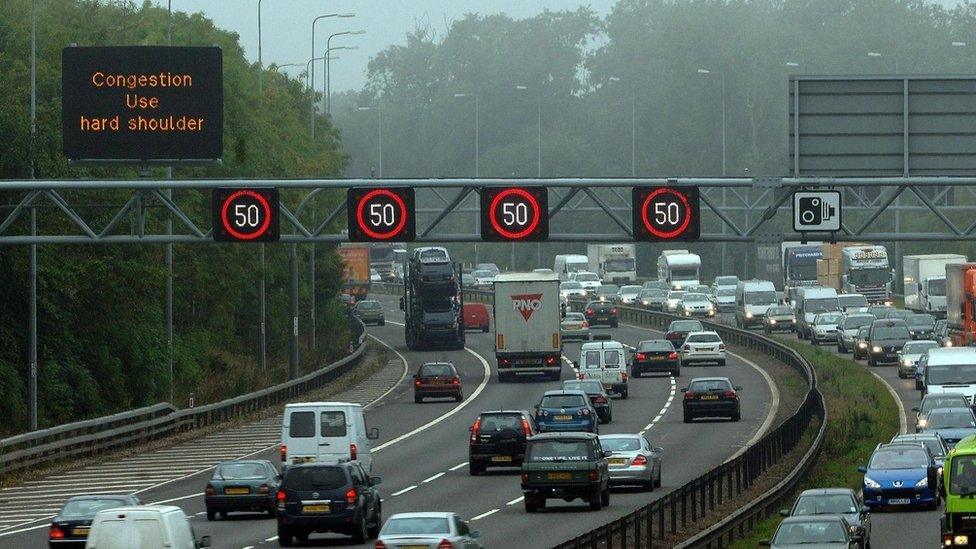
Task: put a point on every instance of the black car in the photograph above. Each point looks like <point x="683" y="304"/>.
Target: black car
<point x="655" y="356"/>
<point x="567" y="466"/>
<point x="432" y="270"/>
<point x="70" y="527"/>
<point x="599" y="397"/>
<point x="711" y="397"/>
<point x="885" y="339"/>
<point x="339" y="498"/>
<point x="498" y="440"/>
<point x="243" y="485"/>
<point x="921" y="326"/>
<point x="603" y="313"/>
<point x="678" y="331"/>
<point x="834" y="501"/>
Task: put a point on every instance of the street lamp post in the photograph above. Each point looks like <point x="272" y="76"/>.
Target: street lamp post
<point x="311" y="77"/>
<point x="328" y="47"/>
<point x="311" y="88"/>
<point x="32" y="322"/>
<point x="379" y="138"/>
<point x="477" y="130"/>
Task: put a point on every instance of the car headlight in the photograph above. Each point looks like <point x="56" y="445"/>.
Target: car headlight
<point x="922" y="483"/>
<point x="870" y="483"/>
<point x="960" y="539"/>
<point x="862" y="345"/>
<point x="646" y="302"/>
<point x="907" y="362"/>
<point x="887" y="303"/>
<point x="748" y="315"/>
<point x="948" y="343"/>
<point x="793" y="320"/>
<point x="922" y="422"/>
<point x="772" y="321"/>
<point x="875" y="349"/>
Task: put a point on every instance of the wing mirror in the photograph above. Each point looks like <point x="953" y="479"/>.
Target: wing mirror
<point x="784" y="512"/>
<point x="475" y="534"/>
<point x="865" y="509"/>
<point x="915" y="409"/>
<point x="738" y="387"/>
<point x="862" y="469"/>
<point x="607" y="453"/>
<point x="373" y="481"/>
<point x="764" y="543"/>
<point x="658" y="449"/>
<point x="373" y="434"/>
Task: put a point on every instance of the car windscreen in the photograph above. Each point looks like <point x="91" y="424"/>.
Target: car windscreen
<point x="820" y="305"/>
<point x="562" y="401"/>
<point x="779" y="311"/>
<point x="88" y="507"/>
<point x="655" y="345"/>
<point x="481" y="274"/>
<point x="588" y="387"/>
<point x="676" y="295"/>
<point x="900" y="458"/>
<point x="686" y="326"/>
<point x="962" y="475"/>
<point x="725" y="292"/>
<point x="853" y="322"/>
<point x="630" y="444"/>
<point x="619" y="265"/>
<point x="321" y="478"/>
<point x="630" y="290"/>
<point x="918" y="347"/>
<point x="937" y="287"/>
<point x="759" y="298"/>
<point x="241" y="471"/>
<point x="917" y="321"/>
<point x="653" y="293"/>
<point x="726" y="280"/>
<point x="951" y="373"/>
<point x="558" y="450"/>
<point x="570" y="286"/>
<point x="500" y="422"/>
<point x="416" y="526"/>
<point x="368" y="305"/>
<point x="607" y="289"/>
<point x="433" y="255"/>
<point x="852" y="301"/>
<point x="686" y="273"/>
<point x="944" y="418"/>
<point x="825" y="504"/>
<point x="695" y="298"/>
<point x="808" y="533"/>
<point x="890" y="332"/>
<point x="703" y="338"/>
<point x="437" y="304"/>
<point x="574" y="317"/>
<point x="931" y="402"/>
<point x="436" y="370"/>
<point x="587" y="277"/>
<point x="707" y="385"/>
<point x="827" y="319"/>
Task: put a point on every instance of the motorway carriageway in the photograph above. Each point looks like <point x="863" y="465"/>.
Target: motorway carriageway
<point x="422" y="451"/>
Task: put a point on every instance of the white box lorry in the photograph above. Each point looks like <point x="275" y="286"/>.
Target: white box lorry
<point x="925" y="281"/>
<point x="527" y="340"/>
<point x="615" y="263"/>
<point x="679" y="268"/>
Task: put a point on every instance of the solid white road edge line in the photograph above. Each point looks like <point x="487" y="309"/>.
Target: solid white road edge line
<point x="902" y="415"/>
<point x="406" y="370"/>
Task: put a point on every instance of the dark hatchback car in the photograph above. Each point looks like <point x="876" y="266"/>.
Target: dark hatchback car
<point x="437" y="380"/>
<point x="70" y="527"/>
<point x="602" y="313"/>
<point x="370" y="311"/>
<point x="339" y="498"/>
<point x="599" y="397"/>
<point x="834" y="501"/>
<point x="885" y="339"/>
<point x="711" y="397"/>
<point x="567" y="466"/>
<point x="678" y="331"/>
<point x="655" y="356"/>
<point x="921" y="326"/>
<point x="498" y="440"/>
<point x="246" y="485"/>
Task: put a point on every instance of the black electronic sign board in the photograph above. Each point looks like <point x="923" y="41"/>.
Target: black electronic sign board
<point x="142" y="103"/>
<point x="381" y="215"/>
<point x="663" y="214"/>
<point x="245" y="214"/>
<point x="514" y="214"/>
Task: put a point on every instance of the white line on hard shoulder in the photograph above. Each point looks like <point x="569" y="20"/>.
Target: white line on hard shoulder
<point x="483" y="515"/>
<point x="404" y="491"/>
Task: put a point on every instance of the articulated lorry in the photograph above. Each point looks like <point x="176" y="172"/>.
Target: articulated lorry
<point x="355" y="270"/>
<point x="925" y="281"/>
<point x="614" y="263"/>
<point x="961" y="303"/>
<point x="865" y="270"/>
<point x="679" y="268"/>
<point x="799" y="266"/>
<point x="432" y="311"/>
<point x="527" y="339"/>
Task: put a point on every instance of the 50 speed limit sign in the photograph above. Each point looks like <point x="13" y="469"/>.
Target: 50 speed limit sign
<point x="381" y="214"/>
<point x="245" y="214"/>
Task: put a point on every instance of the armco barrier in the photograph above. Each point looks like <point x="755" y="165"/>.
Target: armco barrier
<point x="90" y="437"/>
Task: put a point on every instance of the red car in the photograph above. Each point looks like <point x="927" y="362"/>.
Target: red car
<point x="437" y="380"/>
<point x="476" y="316"/>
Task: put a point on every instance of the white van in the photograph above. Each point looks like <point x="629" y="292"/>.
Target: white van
<point x="811" y="301"/>
<point x="950" y="370"/>
<point x="607" y="362"/>
<point x="752" y="299"/>
<point x="328" y="432"/>
<point x="143" y="527"/>
<point x="567" y="264"/>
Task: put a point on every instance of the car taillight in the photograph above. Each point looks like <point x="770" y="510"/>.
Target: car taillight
<point x="600" y="400"/>
<point x="686" y="347"/>
<point x="284" y="452"/>
<point x="672" y="356"/>
<point x="526" y="430"/>
<point x="580" y="376"/>
<point x="589" y="311"/>
<point x="263" y="489"/>
<point x="455" y="381"/>
<point x="474" y="430"/>
<point x="550" y="360"/>
<point x="380" y="545"/>
<point x="525" y="477"/>
<point x="640" y="460"/>
<point x="56" y="532"/>
<point x="586" y="324"/>
<point x="504" y="361"/>
<point x="351" y="496"/>
<point x="689" y="395"/>
<point x="209" y="490"/>
<point x="594" y="474"/>
<point x="280" y="496"/>
<point x="640" y="356"/>
<point x="623" y="377"/>
<point x="417" y="382"/>
<point x="613" y="310"/>
<point x="444" y="544"/>
<point x="352" y="452"/>
<point x="583" y="411"/>
<point x="729" y="394"/>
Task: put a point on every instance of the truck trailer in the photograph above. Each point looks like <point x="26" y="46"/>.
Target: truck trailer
<point x="432" y="316"/>
<point x="961" y="303"/>
<point x="925" y="281"/>
<point x="527" y="339"/>
<point x="799" y="266"/>
<point x="615" y="263"/>
<point x="355" y="270"/>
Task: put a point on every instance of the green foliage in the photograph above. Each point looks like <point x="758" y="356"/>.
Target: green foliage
<point x="101" y="310"/>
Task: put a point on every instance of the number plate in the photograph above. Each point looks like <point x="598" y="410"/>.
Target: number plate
<point x="437" y="382"/>
<point x="80" y="531"/>
<point x="416" y="547"/>
<point x="236" y="491"/>
<point x="316" y="509"/>
<point x="657" y="358"/>
<point x="607" y="386"/>
<point x="501" y="458"/>
<point x="709" y="397"/>
<point x="617" y="461"/>
<point x="559" y="476"/>
<point x="705" y="349"/>
<point x="563" y="417"/>
<point x="899" y="501"/>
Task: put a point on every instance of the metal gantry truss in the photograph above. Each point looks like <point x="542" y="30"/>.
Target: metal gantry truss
<point x="734" y="209"/>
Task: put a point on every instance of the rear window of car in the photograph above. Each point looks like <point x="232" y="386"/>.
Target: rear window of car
<point x="703" y="338"/>
<point x="322" y="478"/>
<point x="704" y="386"/>
<point x="589" y="387"/>
<point x="368" y="305"/>
<point x="496" y="422"/>
<point x="562" y="401"/>
<point x="611" y="359"/>
<point x="88" y="507"/>
<point x="591" y="359"/>
<point x="333" y="424"/>
<point x="416" y="526"/>
<point x="655" y="345"/>
<point x="241" y="471"/>
<point x="443" y="370"/>
<point x="620" y="444"/>
<point x="686" y="326"/>
<point x="301" y="425"/>
<point x="575" y="317"/>
<point x="558" y="450"/>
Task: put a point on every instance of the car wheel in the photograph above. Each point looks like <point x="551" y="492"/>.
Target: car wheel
<point x="737" y="415"/>
<point x="458" y="397"/>
<point x="475" y="468"/>
<point x="687" y="417"/>
<point x="814" y="341"/>
<point x="284" y="537"/>
<point x="531" y="504"/>
<point x="271" y="512"/>
<point x="871" y="362"/>
<point x="623" y="394"/>
<point x="614" y="324"/>
<point x="609" y="416"/>
<point x="359" y="535"/>
<point x="374" y="530"/>
<point x="211" y="515"/>
<point x="383" y="323"/>
<point x="657" y="481"/>
<point x="596" y="501"/>
<point x="605" y="497"/>
<point x="676" y="373"/>
<point x="418" y="399"/>
<point x="721" y="362"/>
<point x="635" y="372"/>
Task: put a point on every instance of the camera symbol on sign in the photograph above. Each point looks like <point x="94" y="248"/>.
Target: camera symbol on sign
<point x="814" y="211"/>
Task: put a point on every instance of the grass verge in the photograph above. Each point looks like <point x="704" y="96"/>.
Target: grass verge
<point x="860" y="414"/>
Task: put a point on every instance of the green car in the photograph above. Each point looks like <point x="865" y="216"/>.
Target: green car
<point x="370" y="312"/>
<point x="243" y="485"/>
<point x="570" y="465"/>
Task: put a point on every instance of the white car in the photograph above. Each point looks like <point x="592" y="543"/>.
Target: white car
<point x="824" y="328"/>
<point x="428" y="530"/>
<point x="693" y="304"/>
<point x="483" y="277"/>
<point x="674" y="299"/>
<point x="589" y="281"/>
<point x="852" y="303"/>
<point x="572" y="290"/>
<point x="374" y="276"/>
<point x="628" y="294"/>
<point x="703" y="347"/>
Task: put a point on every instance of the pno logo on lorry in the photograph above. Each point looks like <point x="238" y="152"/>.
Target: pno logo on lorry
<point x="526" y="304"/>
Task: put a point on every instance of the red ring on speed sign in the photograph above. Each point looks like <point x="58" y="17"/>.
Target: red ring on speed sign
<point x="362" y="222"/>
<point x="647" y="222"/>
<point x="229" y="227"/>
<point x="528" y="198"/>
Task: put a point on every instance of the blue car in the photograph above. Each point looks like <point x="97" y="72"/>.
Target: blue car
<point x="901" y="475"/>
<point x="568" y="410"/>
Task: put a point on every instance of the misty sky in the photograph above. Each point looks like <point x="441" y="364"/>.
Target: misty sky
<point x="286" y="26"/>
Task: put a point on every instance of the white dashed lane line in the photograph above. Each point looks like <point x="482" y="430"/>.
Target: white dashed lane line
<point x="664" y="410"/>
<point x="433" y="478"/>
<point x="516" y="500"/>
<point x="483" y="515"/>
<point x="404" y="491"/>
<point x="458" y="466"/>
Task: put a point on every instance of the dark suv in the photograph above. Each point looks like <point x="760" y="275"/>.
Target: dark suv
<point x="339" y="498"/>
<point x="567" y="466"/>
<point x="498" y="440"/>
<point x="678" y="331"/>
<point x="885" y="339"/>
<point x="602" y="313"/>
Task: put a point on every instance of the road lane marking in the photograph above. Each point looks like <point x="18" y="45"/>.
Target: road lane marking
<point x="664" y="410"/>
<point x="458" y="466"/>
<point x="902" y="416"/>
<point x="433" y="478"/>
<point x="483" y="515"/>
<point x="406" y="369"/>
<point x="516" y="500"/>
<point x="404" y="491"/>
<point x="272" y="539"/>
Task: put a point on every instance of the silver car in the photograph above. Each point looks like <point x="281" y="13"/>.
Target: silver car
<point x="575" y="326"/>
<point x="911" y="353"/>
<point x="428" y="530"/>
<point x="634" y="460"/>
